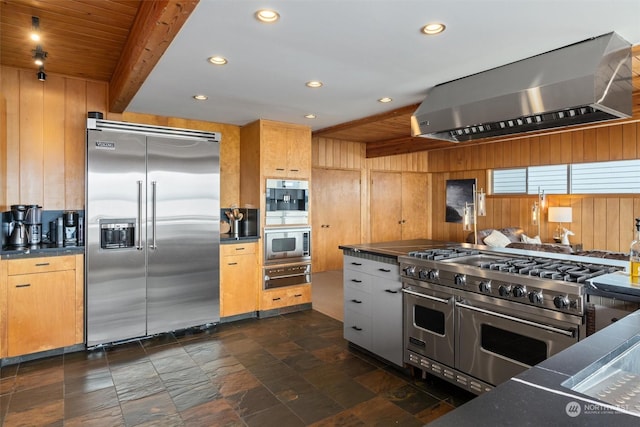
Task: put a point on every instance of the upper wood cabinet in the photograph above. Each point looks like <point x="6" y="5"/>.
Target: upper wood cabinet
<point x="285" y="150"/>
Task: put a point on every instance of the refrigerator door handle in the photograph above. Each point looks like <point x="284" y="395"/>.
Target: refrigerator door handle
<point x="154" y="187"/>
<point x="139" y="237"/>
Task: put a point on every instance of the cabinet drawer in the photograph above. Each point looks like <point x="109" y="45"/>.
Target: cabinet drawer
<point x="357" y="280"/>
<point x="285" y="297"/>
<point x="238" y="249"/>
<point x="355" y="263"/>
<point x="357" y="329"/>
<point x="357" y="301"/>
<point x="40" y="265"/>
<point x="387" y="271"/>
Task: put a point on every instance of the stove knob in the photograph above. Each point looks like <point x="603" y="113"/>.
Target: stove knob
<point x="460" y="280"/>
<point x="485" y="286"/>
<point x="535" y="297"/>
<point x="504" y="290"/>
<point x="561" y="301"/>
<point x="434" y="274"/>
<point x="410" y="270"/>
<point x="518" y="291"/>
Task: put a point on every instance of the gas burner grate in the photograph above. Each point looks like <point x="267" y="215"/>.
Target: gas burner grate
<point x="547" y="268"/>
<point x="440" y="254"/>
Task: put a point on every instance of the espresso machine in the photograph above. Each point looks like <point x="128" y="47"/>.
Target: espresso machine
<point x="70" y="228"/>
<point x="18" y="236"/>
<point x="33" y="221"/>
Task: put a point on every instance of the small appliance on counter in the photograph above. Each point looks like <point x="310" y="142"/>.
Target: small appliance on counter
<point x="33" y="221"/>
<point x="239" y="222"/>
<point x="70" y="228"/>
<point x="18" y="236"/>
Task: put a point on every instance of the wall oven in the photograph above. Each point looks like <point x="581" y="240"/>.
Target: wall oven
<point x="278" y="276"/>
<point x="287" y="202"/>
<point x="287" y="245"/>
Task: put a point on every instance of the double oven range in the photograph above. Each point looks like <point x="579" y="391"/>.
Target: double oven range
<point x="477" y="318"/>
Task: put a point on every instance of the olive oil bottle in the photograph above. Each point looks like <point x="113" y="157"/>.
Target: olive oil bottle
<point x="634" y="254"/>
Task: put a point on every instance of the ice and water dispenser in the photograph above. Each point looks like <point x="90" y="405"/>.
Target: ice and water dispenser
<point x="117" y="234"/>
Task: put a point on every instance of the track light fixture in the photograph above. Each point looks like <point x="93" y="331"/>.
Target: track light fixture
<point x="35" y="29"/>
<point x="42" y="76"/>
<point x="39" y="56"/>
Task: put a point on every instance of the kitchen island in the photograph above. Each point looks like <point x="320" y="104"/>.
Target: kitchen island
<point x="537" y="395"/>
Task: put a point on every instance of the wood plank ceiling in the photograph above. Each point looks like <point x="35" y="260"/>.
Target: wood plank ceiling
<point x="120" y="41"/>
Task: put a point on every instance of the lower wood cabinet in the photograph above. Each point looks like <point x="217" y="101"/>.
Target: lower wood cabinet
<point x="42" y="304"/>
<point x="239" y="279"/>
<point x="284" y="297"/>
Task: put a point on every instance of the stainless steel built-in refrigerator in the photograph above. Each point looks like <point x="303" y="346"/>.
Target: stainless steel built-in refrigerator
<point x="152" y="230"/>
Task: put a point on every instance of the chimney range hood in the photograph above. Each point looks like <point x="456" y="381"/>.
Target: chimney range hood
<point x="585" y="82"/>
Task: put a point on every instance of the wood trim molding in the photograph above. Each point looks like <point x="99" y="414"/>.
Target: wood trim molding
<point x="407" y="110"/>
<point x="154" y="27"/>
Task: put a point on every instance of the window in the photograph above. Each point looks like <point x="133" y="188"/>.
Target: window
<point x="620" y="176"/>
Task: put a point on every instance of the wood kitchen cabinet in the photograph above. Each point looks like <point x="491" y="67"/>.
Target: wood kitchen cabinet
<point x="373" y="306"/>
<point x="399" y="206"/>
<point x="42" y="304"/>
<point x="239" y="279"/>
<point x="338" y="222"/>
<point x="285" y="297"/>
<point x="285" y="150"/>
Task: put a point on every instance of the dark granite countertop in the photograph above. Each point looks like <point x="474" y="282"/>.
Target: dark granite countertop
<point x="226" y="239"/>
<point x="397" y="248"/>
<point x="617" y="284"/>
<point x="42" y="251"/>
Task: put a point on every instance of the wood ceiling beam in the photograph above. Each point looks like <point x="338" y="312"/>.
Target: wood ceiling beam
<point x="409" y="109"/>
<point x="154" y="27"/>
<point x="404" y="145"/>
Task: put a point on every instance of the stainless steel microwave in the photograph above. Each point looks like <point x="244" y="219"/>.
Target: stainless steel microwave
<point x="284" y="245"/>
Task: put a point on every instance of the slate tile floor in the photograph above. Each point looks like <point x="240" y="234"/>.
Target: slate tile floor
<point x="289" y="370"/>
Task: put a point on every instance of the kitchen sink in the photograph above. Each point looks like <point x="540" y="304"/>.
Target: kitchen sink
<point x="614" y="378"/>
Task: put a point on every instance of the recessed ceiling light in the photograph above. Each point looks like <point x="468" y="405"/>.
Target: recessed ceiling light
<point x="385" y="100"/>
<point x="310" y="116"/>
<point x="217" y="60"/>
<point x="267" y="16"/>
<point x="314" y="83"/>
<point x="200" y="97"/>
<point x="432" y="29"/>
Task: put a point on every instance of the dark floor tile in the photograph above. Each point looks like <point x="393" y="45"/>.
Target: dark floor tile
<point x="91" y="380"/>
<point x="222" y="366"/>
<point x="213" y="413"/>
<point x="79" y="405"/>
<point x="235" y="383"/>
<point x="9" y="370"/>
<point x="40" y="365"/>
<point x="444" y="390"/>
<point x="347" y="392"/>
<point x="283" y="348"/>
<point x="206" y="351"/>
<point x="314" y="406"/>
<point x="410" y="398"/>
<point x="290" y="388"/>
<point x="136" y="381"/>
<point x="303" y="361"/>
<point x="331" y="353"/>
<point x="380" y="381"/>
<point x="434" y="412"/>
<point x="276" y="416"/>
<point x="49" y="414"/>
<point x="312" y="342"/>
<point x="246" y="345"/>
<point x="354" y="366"/>
<point x="342" y="419"/>
<point x="38" y="396"/>
<point x="193" y="394"/>
<point x="381" y="412"/>
<point x="155" y="409"/>
<point x="109" y="417"/>
<point x="7" y="385"/>
<point x="178" y="361"/>
<point x="253" y="400"/>
<point x="158" y="341"/>
<point x="166" y="351"/>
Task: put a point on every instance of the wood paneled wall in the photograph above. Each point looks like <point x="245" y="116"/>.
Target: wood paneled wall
<point x="328" y="153"/>
<point x="599" y="221"/>
<point x="42" y="139"/>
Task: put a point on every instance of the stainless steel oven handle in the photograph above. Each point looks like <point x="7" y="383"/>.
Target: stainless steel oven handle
<point x="570" y="333"/>
<point x="429" y="297"/>
<point x="284" y="276"/>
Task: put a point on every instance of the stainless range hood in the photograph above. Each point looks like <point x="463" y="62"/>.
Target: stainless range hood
<point x="581" y="83"/>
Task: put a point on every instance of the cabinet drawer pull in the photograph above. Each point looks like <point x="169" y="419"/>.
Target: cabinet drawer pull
<point x="356" y="281"/>
<point x="232" y="263"/>
<point x="280" y="169"/>
<point x="294" y="170"/>
<point x="276" y="299"/>
<point x="384" y="270"/>
<point x="24" y="285"/>
<point x="356" y="328"/>
<point x="240" y="249"/>
<point x="391" y="291"/>
<point x="42" y="264"/>
<point x="356" y="263"/>
<point x="356" y="301"/>
<point x="297" y="295"/>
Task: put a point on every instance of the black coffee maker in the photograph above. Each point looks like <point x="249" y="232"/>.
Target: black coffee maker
<point x="70" y="228"/>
